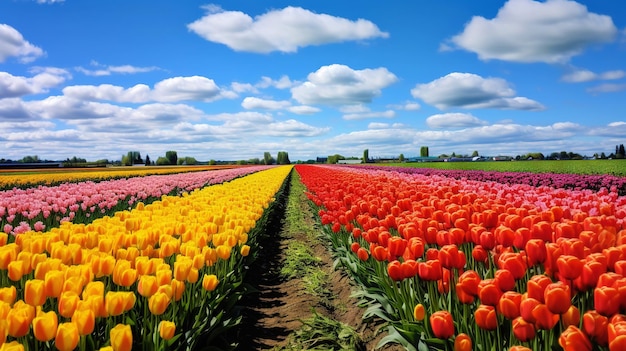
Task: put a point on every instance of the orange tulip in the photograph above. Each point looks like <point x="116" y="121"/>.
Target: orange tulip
<point x="158" y="303"/>
<point x="67" y="337"/>
<point x="167" y="330"/>
<point x="419" y="312"/>
<point x="34" y="294"/>
<point x="12" y="346"/>
<point x="53" y="281"/>
<point x="210" y="282"/>
<point x="45" y="326"/>
<point x="67" y="303"/>
<point x="16" y="270"/>
<point x="128" y="277"/>
<point x="164" y="276"/>
<point x="573" y="339"/>
<point x="121" y="338"/>
<point x="19" y="320"/>
<point x="93" y="288"/>
<point x="114" y="303"/>
<point x="178" y="288"/>
<point x="182" y="268"/>
<point x="8" y="294"/>
<point x="462" y="342"/>
<point x="85" y="320"/>
<point x="571" y="317"/>
<point x="442" y="324"/>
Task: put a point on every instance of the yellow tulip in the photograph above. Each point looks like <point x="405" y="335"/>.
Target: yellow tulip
<point x="12" y="346"/>
<point x="167" y="330"/>
<point x="53" y="283"/>
<point x="158" y="303"/>
<point x="147" y="285"/>
<point x="85" y="320"/>
<point x="8" y="294"/>
<point x="210" y="282"/>
<point x="34" y="293"/>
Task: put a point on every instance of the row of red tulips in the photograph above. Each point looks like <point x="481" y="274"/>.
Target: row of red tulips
<point x="454" y="263"/>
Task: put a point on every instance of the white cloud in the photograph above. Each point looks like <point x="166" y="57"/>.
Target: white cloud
<point x="243" y="88"/>
<point x="607" y="88"/>
<point x="14" y="109"/>
<point x="469" y="90"/>
<point x="251" y="103"/>
<point x="453" y="120"/>
<point x="374" y="114"/>
<point x="49" y="1"/>
<point x="107" y="70"/>
<point x="282" y="83"/>
<point x="283" y="30"/>
<point x="378" y="125"/>
<point x="406" y="106"/>
<point x="583" y="75"/>
<point x="532" y="31"/>
<point x="13" y="44"/>
<point x="341" y="85"/>
<point x="303" y="110"/>
<point x="194" y="88"/>
<point x="44" y="79"/>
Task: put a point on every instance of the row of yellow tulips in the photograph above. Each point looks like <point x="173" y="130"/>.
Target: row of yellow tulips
<point x="160" y="276"/>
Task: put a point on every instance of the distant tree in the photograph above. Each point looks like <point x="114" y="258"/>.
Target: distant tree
<point x="424" y="151"/>
<point x="172" y="157"/>
<point x="366" y="155"/>
<point x="147" y="160"/>
<point x="603" y="155"/>
<point x="30" y="159"/>
<point x="333" y="159"/>
<point x="241" y="162"/>
<point x="267" y="158"/>
<point x="254" y="161"/>
<point x="453" y="154"/>
<point x="282" y="158"/>
<point x="475" y="153"/>
<point x="621" y="153"/>
<point x="189" y="161"/>
<point x="162" y="161"/>
<point x="212" y="162"/>
<point x="127" y="161"/>
<point x="401" y="158"/>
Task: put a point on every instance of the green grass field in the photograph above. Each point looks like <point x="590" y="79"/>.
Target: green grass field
<point x="613" y="167"/>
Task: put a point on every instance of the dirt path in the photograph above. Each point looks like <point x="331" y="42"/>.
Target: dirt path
<point x="272" y="313"/>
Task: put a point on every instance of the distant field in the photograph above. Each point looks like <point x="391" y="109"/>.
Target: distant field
<point x="613" y="167"/>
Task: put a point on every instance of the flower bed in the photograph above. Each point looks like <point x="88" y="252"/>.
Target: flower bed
<point x="452" y="263"/>
<point x="162" y="276"/>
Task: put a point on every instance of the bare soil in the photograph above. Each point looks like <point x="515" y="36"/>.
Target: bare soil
<point x="277" y="307"/>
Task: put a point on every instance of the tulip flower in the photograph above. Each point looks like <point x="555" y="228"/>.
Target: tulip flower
<point x="523" y="330"/>
<point x="67" y="337"/>
<point x="536" y="287"/>
<point x="85" y="321"/>
<point x="573" y="339"/>
<point x="19" y="319"/>
<point x="519" y="348"/>
<point x="114" y="303"/>
<point x="595" y="325"/>
<point x="606" y="300"/>
<point x="488" y="292"/>
<point x="509" y="304"/>
<point x="419" y="312"/>
<point x="558" y="297"/>
<point x="67" y="303"/>
<point x="34" y="293"/>
<point x="8" y="294"/>
<point x="617" y="336"/>
<point x="571" y="317"/>
<point x="442" y="324"/>
<point x="544" y="318"/>
<point x="209" y="282"/>
<point x="15" y="270"/>
<point x="535" y="251"/>
<point x="486" y="318"/>
<point x="45" y="326"/>
<point x="430" y="270"/>
<point x="167" y="330"/>
<point x="462" y="342"/>
<point x="121" y="338"/>
<point x="158" y="303"/>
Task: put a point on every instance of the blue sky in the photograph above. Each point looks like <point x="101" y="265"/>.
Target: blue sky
<point x="230" y="81"/>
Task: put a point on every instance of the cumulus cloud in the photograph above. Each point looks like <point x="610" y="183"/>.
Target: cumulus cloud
<point x="469" y="90"/>
<point x="194" y="88"/>
<point x="303" y="110"/>
<point x="531" y="31"/>
<point x="43" y="79"/>
<point x="453" y="120"/>
<point x="284" y="30"/>
<point x="106" y="70"/>
<point x="251" y="103"/>
<point x="13" y="44"/>
<point x="282" y="83"/>
<point x="341" y="85"/>
<point x="14" y="109"/>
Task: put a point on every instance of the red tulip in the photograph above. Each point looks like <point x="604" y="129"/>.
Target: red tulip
<point x="544" y="318"/>
<point x="570" y="267"/>
<point x="571" y="317"/>
<point x="558" y="297"/>
<point x="595" y="325"/>
<point x="536" y="251"/>
<point x="486" y="318"/>
<point x="394" y="270"/>
<point x="573" y="339"/>
<point x="480" y="254"/>
<point x="430" y="270"/>
<point x="442" y="324"/>
<point x="523" y="330"/>
<point x="488" y="292"/>
<point x="504" y="279"/>
<point x="513" y="262"/>
<point x="606" y="300"/>
<point x="617" y="336"/>
<point x="462" y="342"/>
<point x="536" y="287"/>
<point x="509" y="304"/>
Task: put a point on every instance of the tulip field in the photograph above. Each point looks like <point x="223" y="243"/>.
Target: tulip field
<point x="161" y="267"/>
<point x="449" y="260"/>
<point x="467" y="262"/>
